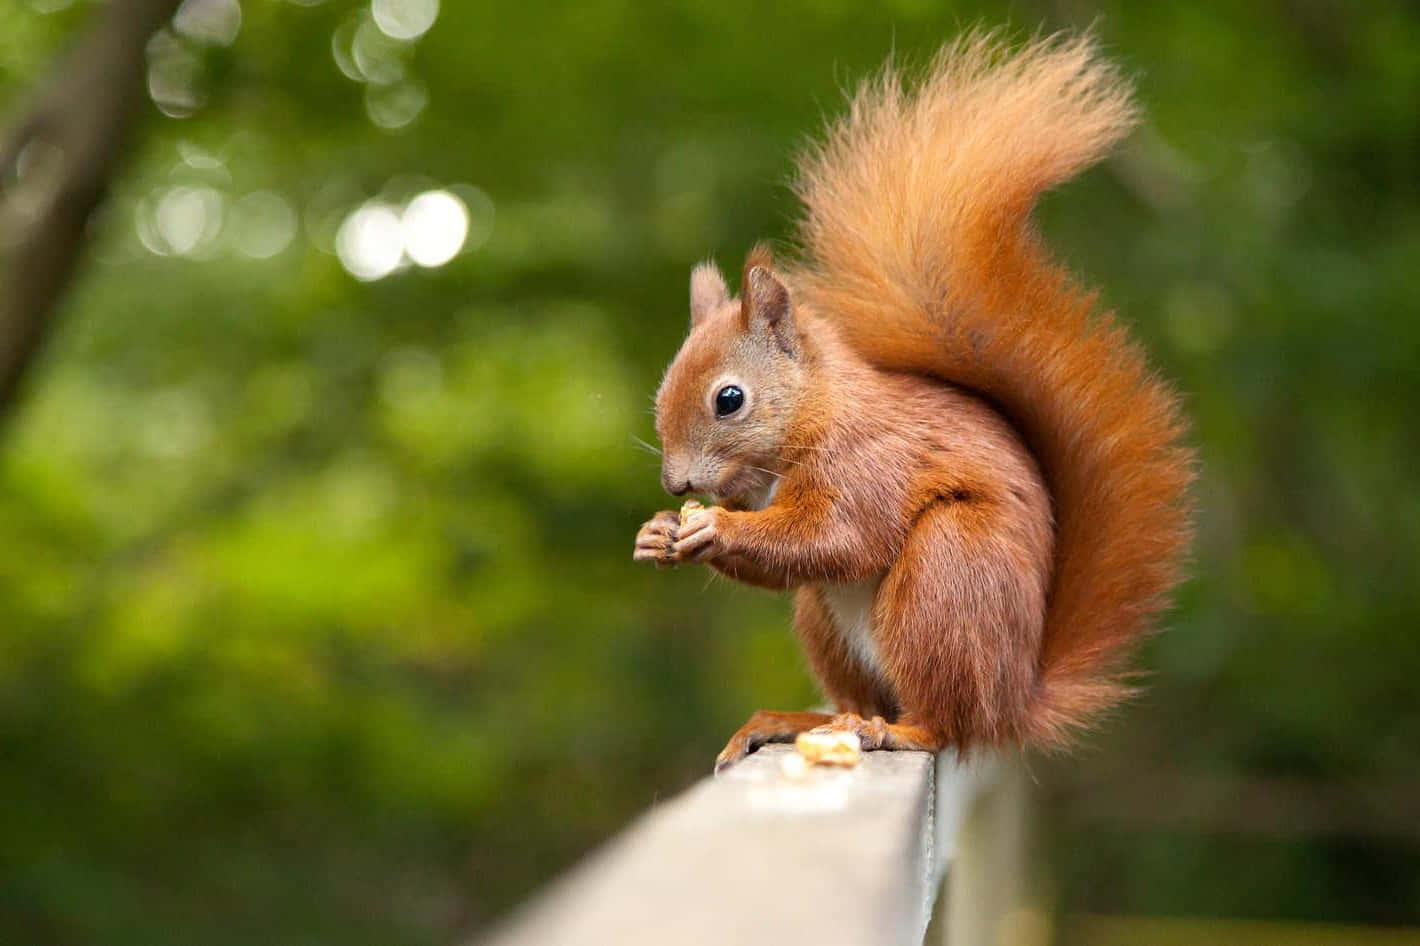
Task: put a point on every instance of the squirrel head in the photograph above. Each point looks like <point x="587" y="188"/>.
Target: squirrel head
<point x="730" y="398"/>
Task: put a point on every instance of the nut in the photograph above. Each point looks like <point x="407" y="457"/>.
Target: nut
<point x="689" y="507"/>
<point x="830" y="747"/>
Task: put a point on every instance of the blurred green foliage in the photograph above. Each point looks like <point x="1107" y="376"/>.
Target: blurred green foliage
<point x="317" y="614"/>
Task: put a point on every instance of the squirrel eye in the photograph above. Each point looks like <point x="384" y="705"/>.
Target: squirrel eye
<point x="728" y="400"/>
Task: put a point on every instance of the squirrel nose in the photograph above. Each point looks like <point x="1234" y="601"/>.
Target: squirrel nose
<point x="675" y="475"/>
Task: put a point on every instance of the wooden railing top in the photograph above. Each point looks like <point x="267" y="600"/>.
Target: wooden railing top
<point x="755" y="856"/>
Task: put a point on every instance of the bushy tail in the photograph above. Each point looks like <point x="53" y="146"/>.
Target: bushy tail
<point x="919" y="244"/>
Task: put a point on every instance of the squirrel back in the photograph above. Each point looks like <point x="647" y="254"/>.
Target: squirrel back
<point x="921" y="251"/>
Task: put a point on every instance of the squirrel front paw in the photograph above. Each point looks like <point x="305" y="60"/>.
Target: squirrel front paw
<point x="701" y="534"/>
<point x="656" y="540"/>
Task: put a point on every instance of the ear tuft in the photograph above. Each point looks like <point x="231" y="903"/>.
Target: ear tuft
<point x="707" y="291"/>
<point x="764" y="303"/>
<point x="759" y="255"/>
<point x="765" y="296"/>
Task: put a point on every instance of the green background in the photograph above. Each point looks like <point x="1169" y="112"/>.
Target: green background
<point x="318" y="621"/>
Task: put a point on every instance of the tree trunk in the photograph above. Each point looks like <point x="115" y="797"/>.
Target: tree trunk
<point x="56" y="161"/>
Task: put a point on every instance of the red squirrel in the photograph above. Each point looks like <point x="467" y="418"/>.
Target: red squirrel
<point x="971" y="478"/>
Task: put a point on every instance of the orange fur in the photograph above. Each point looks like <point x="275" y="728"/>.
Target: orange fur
<point x="922" y="253"/>
<point x="971" y="579"/>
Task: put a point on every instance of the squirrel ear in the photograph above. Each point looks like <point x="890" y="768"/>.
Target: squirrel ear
<point x="766" y="307"/>
<point x="707" y="291"/>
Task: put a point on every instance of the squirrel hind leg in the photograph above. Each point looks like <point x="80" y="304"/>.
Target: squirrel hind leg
<point x="958" y="621"/>
<point x="764" y="727"/>
<point x="848" y="684"/>
<point x="879" y="734"/>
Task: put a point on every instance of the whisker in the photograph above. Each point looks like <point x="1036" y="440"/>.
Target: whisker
<point x="761" y="469"/>
<point x="649" y="448"/>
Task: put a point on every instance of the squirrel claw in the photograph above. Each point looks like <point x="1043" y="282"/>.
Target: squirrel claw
<point x="872" y="733"/>
<point x="655" y="542"/>
<point x="739" y="746"/>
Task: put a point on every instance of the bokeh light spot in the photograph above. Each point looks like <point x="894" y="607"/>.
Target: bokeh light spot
<point x="435" y="225"/>
<point x="378" y="58"/>
<point x="392" y="107"/>
<point x="263" y="224"/>
<point x="342" y="49"/>
<point x="404" y="19"/>
<point x="209" y="21"/>
<point x="370" y="243"/>
<point x="182" y="221"/>
<point x="174" y="71"/>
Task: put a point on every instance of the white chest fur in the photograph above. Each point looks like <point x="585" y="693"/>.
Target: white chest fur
<point x="852" y="609"/>
<point x="763" y="496"/>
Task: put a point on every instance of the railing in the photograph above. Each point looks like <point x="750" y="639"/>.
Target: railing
<point x="757" y="857"/>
